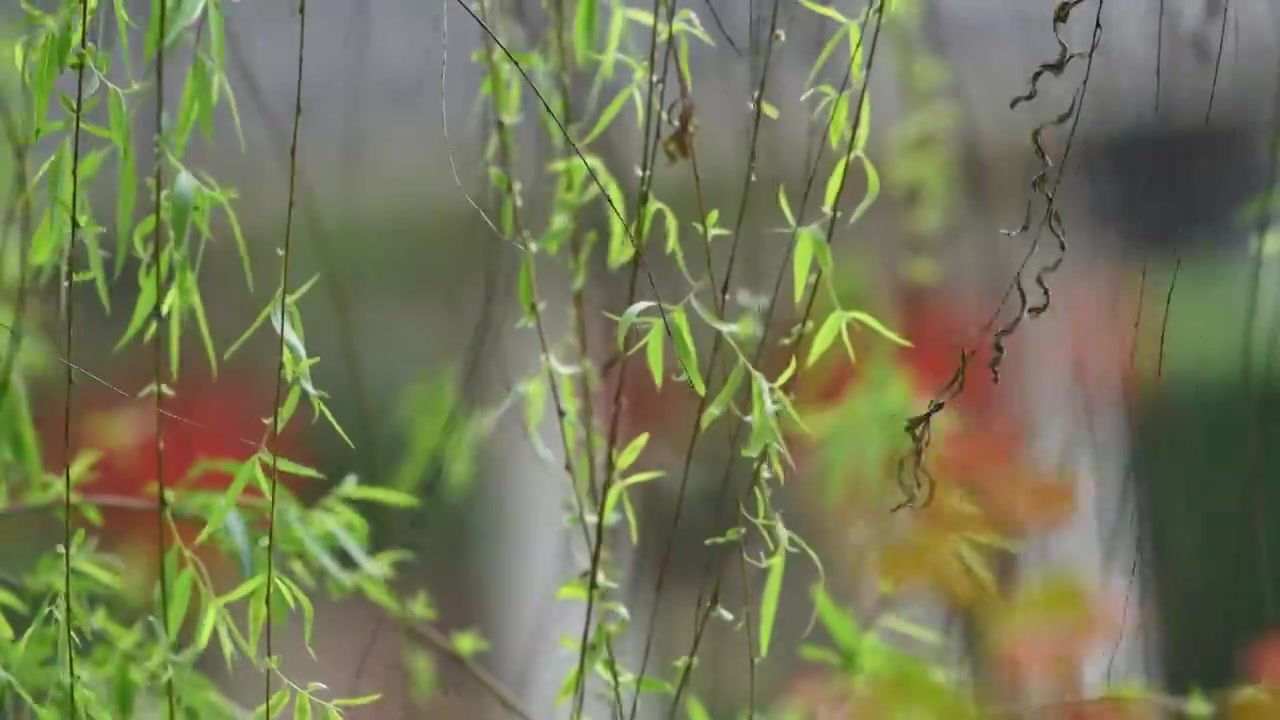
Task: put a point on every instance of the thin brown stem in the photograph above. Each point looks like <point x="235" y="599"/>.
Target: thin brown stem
<point x="280" y="362"/>
<point x="441" y="644"/>
<point x="705" y="610"/>
<point x="67" y="280"/>
<point x="716" y="345"/>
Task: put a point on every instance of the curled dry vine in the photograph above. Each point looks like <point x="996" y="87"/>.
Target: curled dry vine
<point x="919" y="427"/>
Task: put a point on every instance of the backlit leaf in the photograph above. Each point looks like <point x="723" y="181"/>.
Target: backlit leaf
<point x="629" y="318"/>
<point x="801" y="263"/>
<point x="655" y="353"/>
<point x="786" y="206"/>
<point x="686" y="352"/>
<point x="838" y="623"/>
<point x="834" y="184"/>
<point x="879" y="327"/>
<point x="725" y="396"/>
<point x="772" y="593"/>
<point x="608" y="114"/>
<point x="825" y="336"/>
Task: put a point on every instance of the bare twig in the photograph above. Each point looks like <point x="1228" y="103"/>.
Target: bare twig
<point x="280" y="366"/>
<point x="441" y="644"/>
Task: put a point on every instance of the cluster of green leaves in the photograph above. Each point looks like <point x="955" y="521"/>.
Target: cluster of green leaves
<point x="132" y="659"/>
<point x="728" y="381"/>
<point x="923" y="175"/>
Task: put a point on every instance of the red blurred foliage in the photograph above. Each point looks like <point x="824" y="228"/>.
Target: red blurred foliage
<point x="1262" y="660"/>
<point x="984" y="451"/>
<point x="222" y="419"/>
<point x="939" y="334"/>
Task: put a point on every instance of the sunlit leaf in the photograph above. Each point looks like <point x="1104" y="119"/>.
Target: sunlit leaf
<point x="722" y="400"/>
<point x="179" y="600"/>
<point x="182" y="201"/>
<point x="873" y="190"/>
<point x="785" y="206"/>
<point x="825" y="336"/>
<point x="695" y="709"/>
<point x="631" y="452"/>
<point x="528" y="303"/>
<point x="243" y="589"/>
<point x="686" y="352"/>
<point x="772" y="593"/>
<point x="357" y="701"/>
<point x="801" y="263"/>
<point x="468" y="643"/>
<point x="838" y="623"/>
<point x="655" y="353"/>
<point x="379" y="495"/>
<point x="585" y="26"/>
<point x="629" y="318"/>
<point x="877" y="326"/>
<point x="609" y="113"/>
<point x="618" y="491"/>
<point x="839" y="122"/>
<point x="835" y="182"/>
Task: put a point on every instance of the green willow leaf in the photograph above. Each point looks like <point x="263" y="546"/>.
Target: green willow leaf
<point x="629" y="318"/>
<point x="764" y="425"/>
<point x="585" y="22"/>
<point x="183" y="197"/>
<point x="244" y="589"/>
<point x="785" y="206"/>
<point x="772" y="593"/>
<point x="834" y="182"/>
<point x="873" y="190"/>
<point x="143" y="308"/>
<point x="126" y="197"/>
<point x="825" y="336"/>
<point x="528" y="302"/>
<point x="838" y="623"/>
<point x="257" y="323"/>
<point x="607" y="115"/>
<point x="380" y="495"/>
<point x="801" y="264"/>
<point x="655" y="353"/>
<point x="277" y="704"/>
<point x="631" y="452"/>
<point x="694" y="708"/>
<point x="865" y="319"/>
<point x="618" y="491"/>
<point x="825" y="11"/>
<point x="180" y="600"/>
<point x="725" y="396"/>
<point x="356" y="701"/>
<point x="839" y="120"/>
<point x="686" y="351"/>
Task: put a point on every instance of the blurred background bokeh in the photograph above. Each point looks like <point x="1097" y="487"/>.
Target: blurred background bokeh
<point x="1124" y="457"/>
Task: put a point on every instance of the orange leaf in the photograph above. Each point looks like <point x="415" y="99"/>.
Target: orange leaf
<point x="938" y="551"/>
<point x="1048" y="628"/>
<point x="1263" y="660"/>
